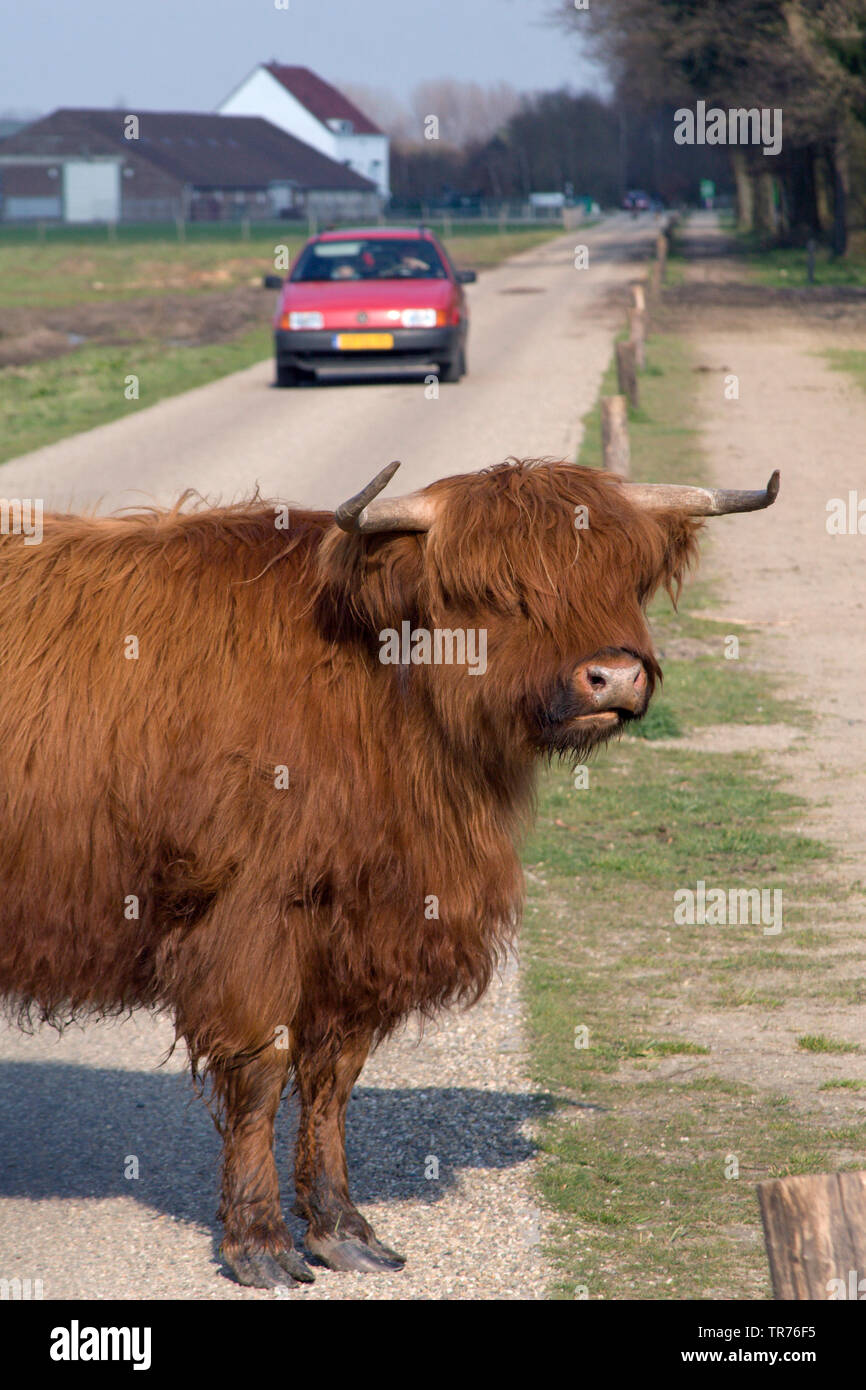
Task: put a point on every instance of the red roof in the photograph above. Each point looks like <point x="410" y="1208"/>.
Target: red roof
<point x="320" y="98"/>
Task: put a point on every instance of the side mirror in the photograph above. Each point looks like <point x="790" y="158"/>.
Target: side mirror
<point x="272" y="282"/>
<point x="466" y="277"/>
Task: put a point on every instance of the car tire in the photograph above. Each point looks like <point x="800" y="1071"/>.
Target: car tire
<point x="286" y="376"/>
<point x="454" y="368"/>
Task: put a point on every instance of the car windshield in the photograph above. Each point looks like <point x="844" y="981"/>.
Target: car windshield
<point x="370" y="258"/>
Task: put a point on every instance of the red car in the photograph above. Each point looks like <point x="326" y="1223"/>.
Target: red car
<point x="370" y="300"/>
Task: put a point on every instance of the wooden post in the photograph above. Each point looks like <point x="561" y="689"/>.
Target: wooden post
<point x="626" y="372"/>
<point x="662" y="252"/>
<point x="655" y="280"/>
<point x="616" y="454"/>
<point x="815" y="1234"/>
<point x="638" y="297"/>
<point x="637" y="336"/>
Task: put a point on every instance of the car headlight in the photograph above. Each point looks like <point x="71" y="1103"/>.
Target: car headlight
<point x="418" y="318"/>
<point x="306" y="318"/>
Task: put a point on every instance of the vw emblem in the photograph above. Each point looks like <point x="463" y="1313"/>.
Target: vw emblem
<point x="362" y="317"/>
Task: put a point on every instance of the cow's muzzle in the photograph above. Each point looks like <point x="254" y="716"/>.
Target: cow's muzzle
<point x="597" y="698"/>
<point x="613" y="683"/>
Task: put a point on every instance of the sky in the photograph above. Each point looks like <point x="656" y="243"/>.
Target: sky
<point x="189" y="54"/>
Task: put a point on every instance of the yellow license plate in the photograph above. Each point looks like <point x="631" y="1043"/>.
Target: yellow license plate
<point x="359" y="342"/>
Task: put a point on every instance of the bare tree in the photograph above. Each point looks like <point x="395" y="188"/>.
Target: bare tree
<point x="387" y="111"/>
<point x="467" y="113"/>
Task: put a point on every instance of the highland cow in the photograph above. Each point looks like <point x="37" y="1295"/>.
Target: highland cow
<point x="217" y="799"/>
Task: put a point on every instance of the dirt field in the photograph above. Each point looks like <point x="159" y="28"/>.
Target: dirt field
<point x="33" y="334"/>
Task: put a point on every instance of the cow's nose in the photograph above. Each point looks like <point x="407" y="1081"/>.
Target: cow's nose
<point x="613" y="685"/>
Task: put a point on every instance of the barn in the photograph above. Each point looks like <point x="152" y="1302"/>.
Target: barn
<point x="84" y="166"/>
<point x="299" y="101"/>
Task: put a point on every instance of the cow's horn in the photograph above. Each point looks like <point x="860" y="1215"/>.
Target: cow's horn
<point x="414" y="512"/>
<point x="701" y="501"/>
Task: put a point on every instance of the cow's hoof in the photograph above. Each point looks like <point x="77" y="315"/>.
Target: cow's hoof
<point x="351" y="1255"/>
<point x="259" y="1270"/>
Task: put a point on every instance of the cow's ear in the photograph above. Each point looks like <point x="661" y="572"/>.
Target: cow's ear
<point x="680" y="552"/>
<point x="372" y="581"/>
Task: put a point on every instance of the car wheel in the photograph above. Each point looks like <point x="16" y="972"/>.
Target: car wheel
<point x="454" y="368"/>
<point x="287" y="376"/>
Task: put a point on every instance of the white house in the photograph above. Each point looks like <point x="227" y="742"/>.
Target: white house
<point x="301" y="103"/>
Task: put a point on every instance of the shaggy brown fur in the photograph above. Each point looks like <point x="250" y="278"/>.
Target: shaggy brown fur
<point x="292" y="914"/>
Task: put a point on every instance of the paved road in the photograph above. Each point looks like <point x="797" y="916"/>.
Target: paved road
<point x="540" y="339"/>
<point x="74" y="1110"/>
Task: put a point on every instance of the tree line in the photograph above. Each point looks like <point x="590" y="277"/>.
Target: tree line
<point x="455" y="140"/>
<point x="804" y="58"/>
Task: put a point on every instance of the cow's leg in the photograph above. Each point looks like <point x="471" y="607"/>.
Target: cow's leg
<point x="337" y="1234"/>
<point x="257" y="1245"/>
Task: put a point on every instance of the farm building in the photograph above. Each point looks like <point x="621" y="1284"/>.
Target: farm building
<point x="303" y="104"/>
<point x="111" y="166"/>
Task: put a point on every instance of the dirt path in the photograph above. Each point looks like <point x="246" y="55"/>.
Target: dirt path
<point x="784" y="574"/>
<point x="803" y="591"/>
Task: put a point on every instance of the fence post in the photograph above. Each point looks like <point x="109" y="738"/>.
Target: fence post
<point x="637" y="336"/>
<point x="655" y="280"/>
<point x="815" y="1234"/>
<point x="615" y="450"/>
<point x="626" y="372"/>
